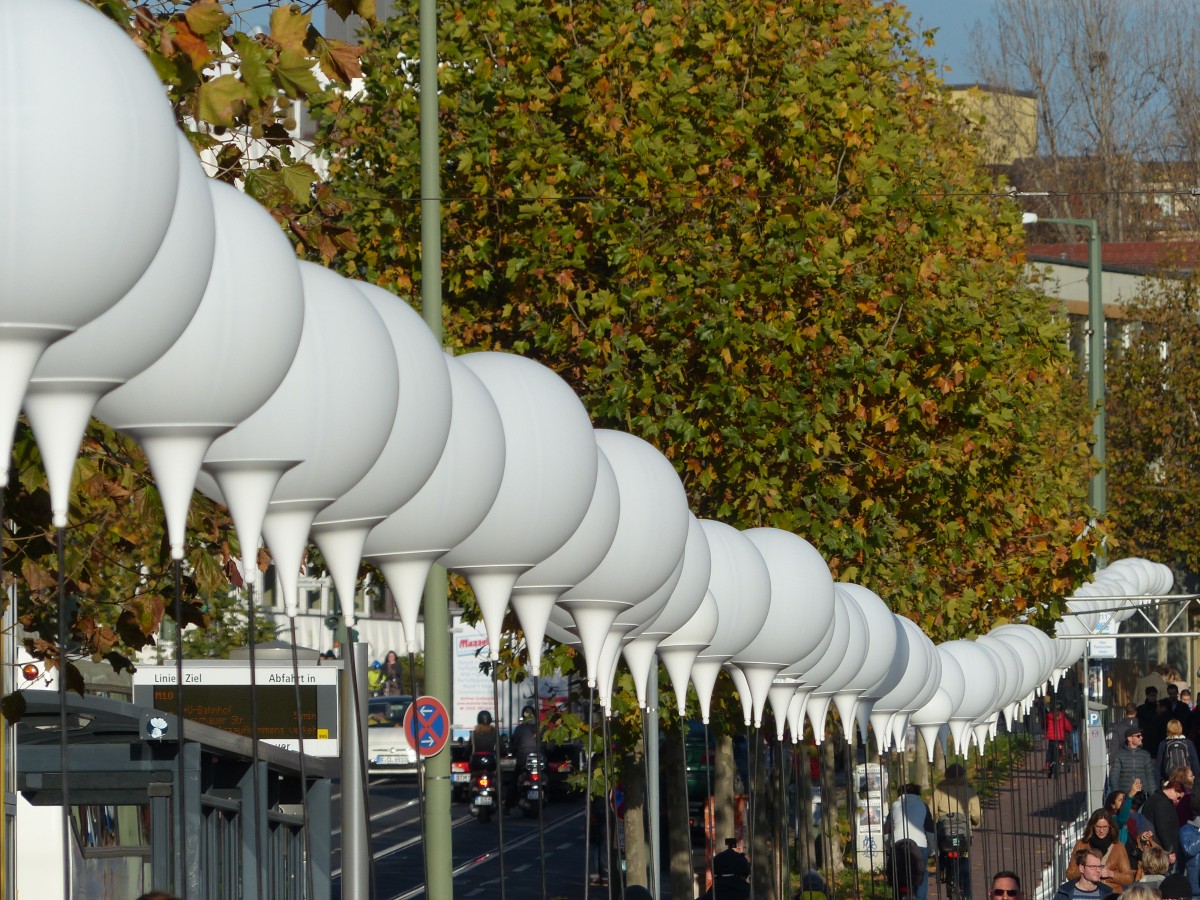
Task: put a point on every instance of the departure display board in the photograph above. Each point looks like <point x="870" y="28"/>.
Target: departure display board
<point x="218" y="695"/>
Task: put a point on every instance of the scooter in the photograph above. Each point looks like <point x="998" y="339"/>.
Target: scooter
<point x="483" y="786"/>
<point x="531" y="784"/>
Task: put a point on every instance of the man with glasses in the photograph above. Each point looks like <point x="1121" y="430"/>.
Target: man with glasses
<point x="1088" y="885"/>
<point x="1006" y="886"/>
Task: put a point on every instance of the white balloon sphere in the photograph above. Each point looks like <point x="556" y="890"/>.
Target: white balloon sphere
<point x="450" y="504"/>
<point x="982" y="687"/>
<point x="241" y="340"/>
<point x="76" y="371"/>
<point x="80" y="226"/>
<point x="651" y="533"/>
<point x="741" y="585"/>
<point x="536" y="591"/>
<point x="679" y="650"/>
<point x="918" y="682"/>
<point x="801" y="591"/>
<point x="685" y="599"/>
<point x="332" y="413"/>
<point x="884" y="639"/>
<point x="420" y="425"/>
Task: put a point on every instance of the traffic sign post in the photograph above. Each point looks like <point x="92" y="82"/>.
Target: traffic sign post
<point x="427" y="726"/>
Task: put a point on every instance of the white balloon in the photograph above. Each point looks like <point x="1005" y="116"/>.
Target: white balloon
<point x="741" y="585"/>
<point x="548" y="482"/>
<point x="450" y="504"/>
<point x="679" y="651"/>
<point x="918" y="683"/>
<point x="685" y="599"/>
<point x="536" y="591"/>
<point x="884" y="639"/>
<point x="982" y="687"/>
<point x="846" y="667"/>
<point x="801" y="591"/>
<point x="76" y="371"/>
<point x="231" y="357"/>
<point x="420" y="425"/>
<point x="648" y="544"/>
<point x="79" y="228"/>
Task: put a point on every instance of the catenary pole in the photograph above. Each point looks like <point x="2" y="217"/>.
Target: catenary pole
<point x="436" y="827"/>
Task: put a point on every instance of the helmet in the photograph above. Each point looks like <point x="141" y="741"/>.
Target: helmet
<point x="484" y="717"/>
<point x="527" y="712"/>
<point x="376" y="665"/>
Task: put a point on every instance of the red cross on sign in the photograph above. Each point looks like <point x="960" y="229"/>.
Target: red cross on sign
<point x="427" y="726"/>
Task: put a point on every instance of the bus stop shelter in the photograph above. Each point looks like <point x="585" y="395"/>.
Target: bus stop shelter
<point x="123" y="773"/>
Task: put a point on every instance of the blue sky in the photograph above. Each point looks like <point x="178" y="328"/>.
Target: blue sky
<point x="954" y="20"/>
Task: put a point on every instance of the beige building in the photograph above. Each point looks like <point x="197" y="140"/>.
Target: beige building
<point x="1005" y="119"/>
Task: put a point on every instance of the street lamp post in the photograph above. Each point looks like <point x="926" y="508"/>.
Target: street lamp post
<point x="1098" y="487"/>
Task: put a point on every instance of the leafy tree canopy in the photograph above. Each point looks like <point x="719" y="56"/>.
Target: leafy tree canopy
<point x="756" y="235"/>
<point x="1153" y="427"/>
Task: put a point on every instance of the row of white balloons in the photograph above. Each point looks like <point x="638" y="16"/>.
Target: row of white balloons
<point x="317" y="406"/>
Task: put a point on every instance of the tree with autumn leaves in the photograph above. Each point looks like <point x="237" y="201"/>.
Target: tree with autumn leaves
<point x="757" y="236"/>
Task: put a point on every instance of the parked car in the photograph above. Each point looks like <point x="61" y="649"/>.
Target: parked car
<point x="388" y="752"/>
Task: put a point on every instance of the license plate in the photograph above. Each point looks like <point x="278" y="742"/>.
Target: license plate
<point x="461" y="777"/>
<point x="483" y="800"/>
<point x="390" y="760"/>
<point x="534" y="794"/>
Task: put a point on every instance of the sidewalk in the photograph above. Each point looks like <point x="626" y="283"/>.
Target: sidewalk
<point x="1022" y="825"/>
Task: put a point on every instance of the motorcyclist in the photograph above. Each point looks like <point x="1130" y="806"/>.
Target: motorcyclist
<point x="522" y="743"/>
<point x="483" y="735"/>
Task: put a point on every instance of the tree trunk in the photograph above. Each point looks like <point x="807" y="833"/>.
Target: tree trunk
<point x="831" y="845"/>
<point x="679" y="839"/>
<point x="921" y="773"/>
<point x="806" y="853"/>
<point x="635" y="814"/>
<point x="765" y="810"/>
<point x="723" y="778"/>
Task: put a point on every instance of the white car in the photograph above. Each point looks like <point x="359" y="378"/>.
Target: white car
<point x="388" y="752"/>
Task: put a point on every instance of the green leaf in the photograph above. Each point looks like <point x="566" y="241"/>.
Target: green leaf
<point x="289" y="28"/>
<point x="298" y="179"/>
<point x="221" y="99"/>
<point x="254" y="67"/>
<point x="294" y="73"/>
<point x="206" y="17"/>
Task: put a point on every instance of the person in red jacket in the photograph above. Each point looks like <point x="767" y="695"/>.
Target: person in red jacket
<point x="1058" y="727"/>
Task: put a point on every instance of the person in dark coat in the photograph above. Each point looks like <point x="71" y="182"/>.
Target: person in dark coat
<point x="731" y="874"/>
<point x="1160" y="812"/>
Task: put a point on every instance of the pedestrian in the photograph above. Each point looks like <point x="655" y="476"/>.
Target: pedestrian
<point x="1154" y="867"/>
<point x="1175" y="887"/>
<point x="1176" y="708"/>
<point x="956" y="811"/>
<point x="1185" y="697"/>
<point x="812" y="887"/>
<point x="1007" y="886"/>
<point x="1100" y="835"/>
<point x="1087" y="884"/>
<point x="910" y="819"/>
<point x="1141" y="892"/>
<point x="1120" y="729"/>
<point x="1175" y="752"/>
<point x="1147" y="710"/>
<point x="393" y="675"/>
<point x="1131" y="763"/>
<point x="731" y="874"/>
<point x="1164" y="821"/>
<point x="375" y="679"/>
